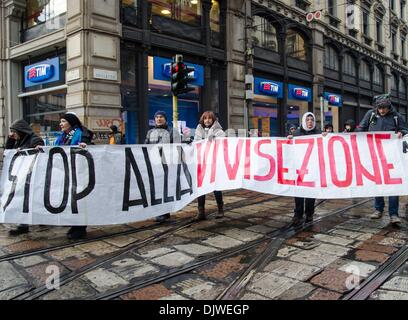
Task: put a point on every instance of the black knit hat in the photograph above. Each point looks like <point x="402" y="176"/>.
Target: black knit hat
<point x="383" y="100"/>
<point x="161" y="113"/>
<point x="72" y="119"/>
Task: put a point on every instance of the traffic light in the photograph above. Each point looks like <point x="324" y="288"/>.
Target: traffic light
<point x="181" y="75"/>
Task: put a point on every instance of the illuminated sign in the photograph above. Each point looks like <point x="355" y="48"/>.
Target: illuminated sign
<point x="42" y="72"/>
<point x="270" y="88"/>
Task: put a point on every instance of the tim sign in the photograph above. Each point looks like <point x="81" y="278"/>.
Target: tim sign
<point x="42" y="72"/>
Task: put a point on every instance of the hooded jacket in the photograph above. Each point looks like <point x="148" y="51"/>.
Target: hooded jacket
<point x="164" y="134"/>
<point x="352" y="125"/>
<point x="303" y="130"/>
<point x="29" y="140"/>
<point x="392" y="121"/>
<point x="215" y="131"/>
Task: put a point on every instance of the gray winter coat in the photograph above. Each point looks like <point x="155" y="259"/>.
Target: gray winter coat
<point x="29" y="139"/>
<point x="165" y="134"/>
<point x="213" y="132"/>
<point x="393" y="121"/>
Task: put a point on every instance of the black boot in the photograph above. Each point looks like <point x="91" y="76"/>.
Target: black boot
<point x="220" y="213"/>
<point x="163" y="217"/>
<point x="76" y="233"/>
<point x="21" y="229"/>
<point x="201" y="214"/>
<point x="296" y="221"/>
<point x="309" y="218"/>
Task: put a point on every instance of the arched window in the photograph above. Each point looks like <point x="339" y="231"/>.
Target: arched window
<point x="296" y="46"/>
<point x="364" y="71"/>
<point x="264" y="35"/>
<point x="378" y="76"/>
<point x="403" y="89"/>
<point x="184" y="11"/>
<point x="349" y="65"/>
<point x="331" y="59"/>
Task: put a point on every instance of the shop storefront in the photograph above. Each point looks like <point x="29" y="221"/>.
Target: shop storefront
<point x="44" y="96"/>
<point x="298" y="104"/>
<point x="264" y="115"/>
<point x="333" y="102"/>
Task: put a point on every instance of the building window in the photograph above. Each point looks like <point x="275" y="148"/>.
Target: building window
<point x="393" y="42"/>
<point x="392" y="4"/>
<point x="331" y="59"/>
<point x="402" y="9"/>
<point x="215" y="16"/>
<point x="366" y="23"/>
<point x="181" y="10"/>
<point x="403" y="49"/>
<point x="378" y="25"/>
<point x="331" y="7"/>
<point x="364" y="71"/>
<point x="403" y="89"/>
<point x="129" y="9"/>
<point x="264" y="34"/>
<point x="394" y="82"/>
<point x="296" y="46"/>
<point x="378" y="77"/>
<point x="349" y="65"/>
<point x="42" y="17"/>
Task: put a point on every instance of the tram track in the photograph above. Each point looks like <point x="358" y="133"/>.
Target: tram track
<point x="273" y="240"/>
<point x="35" y="293"/>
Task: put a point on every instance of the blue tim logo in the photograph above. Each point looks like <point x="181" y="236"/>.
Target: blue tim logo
<point x="301" y="93"/>
<point x="269" y="88"/>
<point x="167" y="71"/>
<point x="40" y="73"/>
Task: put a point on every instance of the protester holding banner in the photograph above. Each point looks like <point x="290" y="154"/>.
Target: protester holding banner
<point x="22" y="137"/>
<point x="328" y="128"/>
<point x="163" y="133"/>
<point x="304" y="206"/>
<point x="349" y="126"/>
<point x="385" y="118"/>
<point x="73" y="133"/>
<point x="115" y="137"/>
<point x="209" y="128"/>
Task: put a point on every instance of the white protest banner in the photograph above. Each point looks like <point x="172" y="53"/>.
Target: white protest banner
<point x="103" y="185"/>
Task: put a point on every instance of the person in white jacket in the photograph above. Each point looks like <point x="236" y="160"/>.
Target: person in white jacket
<point x="209" y="128"/>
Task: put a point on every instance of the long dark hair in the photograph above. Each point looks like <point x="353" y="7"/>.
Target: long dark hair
<point x="206" y="114"/>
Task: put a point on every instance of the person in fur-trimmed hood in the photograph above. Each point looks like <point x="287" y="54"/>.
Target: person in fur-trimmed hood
<point x="305" y="206"/>
<point x="209" y="128"/>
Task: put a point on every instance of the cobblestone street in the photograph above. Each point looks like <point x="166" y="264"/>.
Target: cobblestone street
<point x="184" y="259"/>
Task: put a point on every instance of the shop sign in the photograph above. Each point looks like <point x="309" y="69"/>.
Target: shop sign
<point x="43" y="72"/>
<point x="268" y="87"/>
<point x="333" y="99"/>
<point x="300" y="93"/>
<point x="162" y="71"/>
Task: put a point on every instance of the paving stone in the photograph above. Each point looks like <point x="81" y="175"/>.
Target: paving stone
<point x="351" y="226"/>
<point x="155" y="253"/>
<point x="10" y="277"/>
<point x="103" y="280"/>
<point x="75" y="263"/>
<point x="275" y="224"/>
<point x="30" y="261"/>
<point x="223" y="269"/>
<point x="174" y="297"/>
<point x="130" y="269"/>
<point x="121" y="241"/>
<point x="298" y="291"/>
<point x="318" y="259"/>
<point x="332" y="249"/>
<point x="5" y="240"/>
<point x="322" y="294"/>
<point x="194" y="234"/>
<point x="196" y="249"/>
<point x="27" y="245"/>
<point x="97" y="248"/>
<point x="378" y="248"/>
<point x="261" y="229"/>
<point x="253" y="296"/>
<point x="396" y="284"/>
<point x="335" y="280"/>
<point x="76" y="289"/>
<point x="358" y="268"/>
<point x="347" y="233"/>
<point x="203" y="291"/>
<point x="370" y="256"/>
<point x="287" y="251"/>
<point x="154" y="292"/>
<point x="175" y="259"/>
<point x="222" y="242"/>
<point x="270" y="285"/>
<point x="304" y="245"/>
<point x="334" y="240"/>
<point x="41" y="272"/>
<point x="291" y="269"/>
<point x="392" y="242"/>
<point x="66" y="253"/>
<point x="389" y="295"/>
<point x="11" y="293"/>
<point x="398" y="234"/>
<point x="242" y="235"/>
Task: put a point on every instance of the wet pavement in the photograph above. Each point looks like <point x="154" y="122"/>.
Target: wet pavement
<point x="181" y="259"/>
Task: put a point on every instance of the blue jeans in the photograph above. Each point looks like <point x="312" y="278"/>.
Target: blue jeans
<point x="393" y="204"/>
